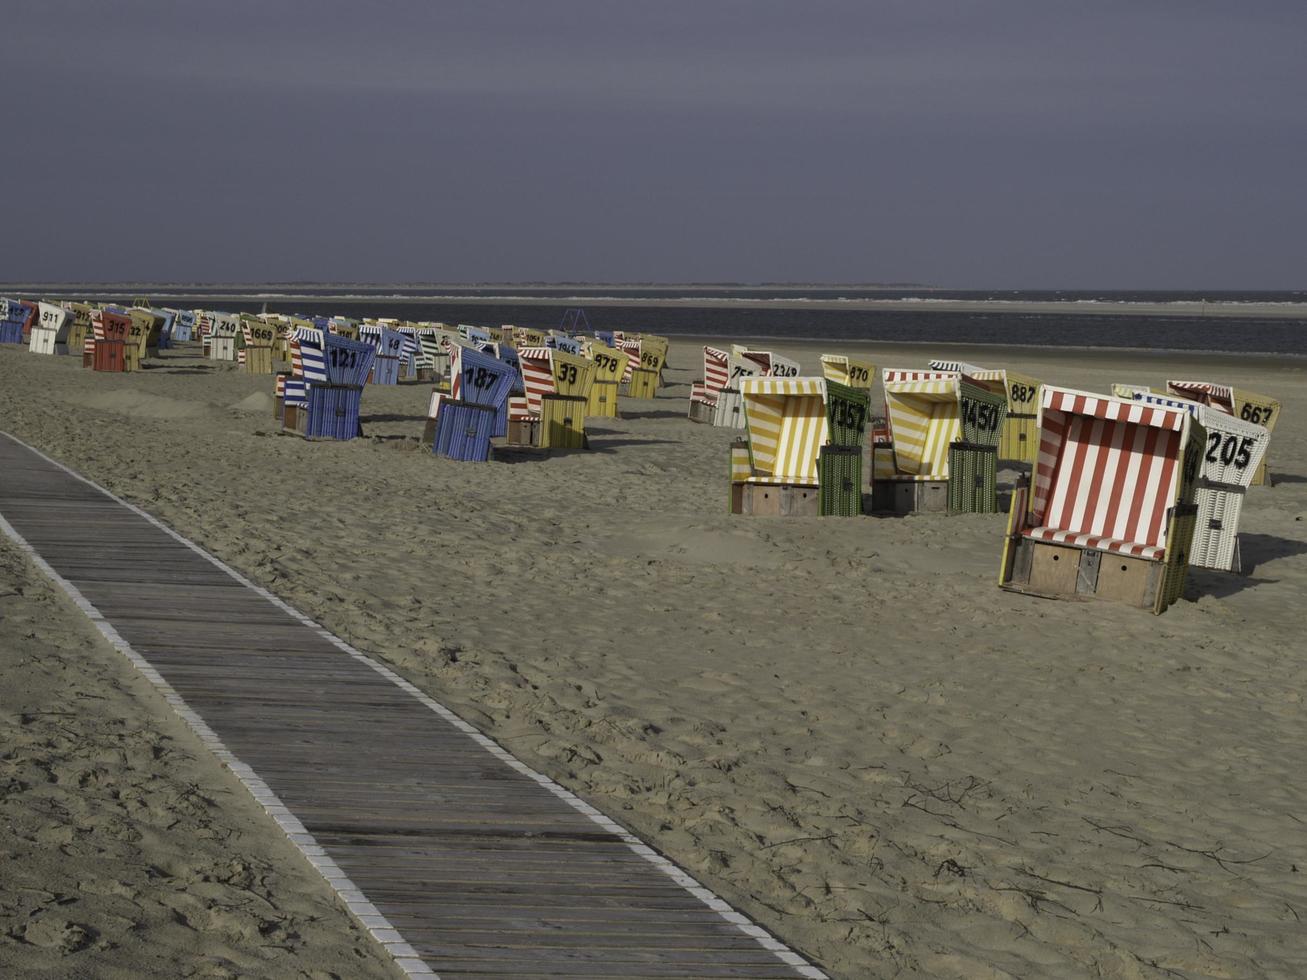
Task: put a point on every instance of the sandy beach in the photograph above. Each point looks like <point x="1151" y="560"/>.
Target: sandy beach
<point x="128" y="850"/>
<point x="842" y="726"/>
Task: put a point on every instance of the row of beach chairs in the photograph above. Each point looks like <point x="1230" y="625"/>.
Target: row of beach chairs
<point x="1116" y="495"/>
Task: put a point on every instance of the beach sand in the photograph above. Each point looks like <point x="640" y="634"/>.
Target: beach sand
<point x="842" y="726"/>
<point x="128" y="851"/>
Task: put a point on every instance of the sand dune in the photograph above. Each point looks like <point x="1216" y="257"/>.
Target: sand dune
<point x="841" y="725"/>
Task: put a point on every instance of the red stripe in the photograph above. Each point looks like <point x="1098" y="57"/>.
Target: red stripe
<point x="1136" y="514"/>
<point x="1124" y="431"/>
<point x="1170" y="459"/>
<point x="1079" y="449"/>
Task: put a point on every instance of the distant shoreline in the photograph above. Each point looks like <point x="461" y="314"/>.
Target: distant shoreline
<point x="1176" y="308"/>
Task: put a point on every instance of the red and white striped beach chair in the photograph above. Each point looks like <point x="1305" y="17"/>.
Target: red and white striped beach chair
<point x="1110" y="511"/>
<point x="703" y="393"/>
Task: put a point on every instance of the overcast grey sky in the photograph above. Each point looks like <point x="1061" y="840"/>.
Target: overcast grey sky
<point x="1023" y="144"/>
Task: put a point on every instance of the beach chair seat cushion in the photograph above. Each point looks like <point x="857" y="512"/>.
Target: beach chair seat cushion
<point x="1083" y="539"/>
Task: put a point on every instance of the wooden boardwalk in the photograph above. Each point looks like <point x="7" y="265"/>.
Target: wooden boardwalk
<point x="461" y="860"/>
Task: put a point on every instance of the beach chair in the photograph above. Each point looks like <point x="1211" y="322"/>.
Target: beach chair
<point x="524" y="337"/>
<point x="183" y="326"/>
<point x="704" y="392"/>
<point x="1017" y="443"/>
<point x="805" y="438"/>
<point x="138" y="337"/>
<point x="1110" y="508"/>
<point x="432" y="359"/>
<point x="113" y="348"/>
<point x="944" y="434"/>
<point x="1249" y="406"/>
<point x="409" y="353"/>
<point x="392" y="347"/>
<point x="13" y="317"/>
<point x="50" y="331"/>
<point x="168" y="318"/>
<point x="728" y="411"/>
<point x="610" y="366"/>
<point x="343" y="326"/>
<point x="294" y="404"/>
<point x="334" y="369"/>
<point x="258" y="339"/>
<point x="465" y="419"/>
<point x="475" y="335"/>
<point x="1234" y="451"/>
<point x="220" y="339"/>
<point x="79" y="329"/>
<point x="772" y="365"/>
<point x="848" y="371"/>
<point x="563" y="342"/>
<point x="557" y="389"/>
<point x="639" y="382"/>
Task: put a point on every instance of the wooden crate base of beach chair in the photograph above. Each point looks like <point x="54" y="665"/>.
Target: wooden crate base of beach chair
<point x="258" y="360"/>
<point x="110" y="356"/>
<point x="1020" y="435"/>
<point x="839" y="470"/>
<point x="562" y="422"/>
<point x="463" y="432"/>
<point x="729" y="413"/>
<point x="973" y="479"/>
<point x="603" y="400"/>
<point x="780" y="500"/>
<point x="701" y="412"/>
<point x="426" y="373"/>
<point x="523" y="433"/>
<point x="911" y="496"/>
<point x="1059" y="571"/>
<point x="643" y="384"/>
<point x="333" y="412"/>
<point x="293" y="418"/>
<point x="42" y="342"/>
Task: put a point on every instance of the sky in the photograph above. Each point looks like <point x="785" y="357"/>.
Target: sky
<point x="1000" y="144"/>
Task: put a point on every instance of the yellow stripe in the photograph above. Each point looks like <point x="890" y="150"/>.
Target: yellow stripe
<point x="923" y="418"/>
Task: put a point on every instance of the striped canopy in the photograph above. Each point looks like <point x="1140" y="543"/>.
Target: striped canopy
<point x="848" y="371"/>
<point x="962" y="367"/>
<point x="1247" y="405"/>
<point x="1108" y="470"/>
<point x="922" y="409"/>
<point x="480" y="378"/>
<point x="787" y="425"/>
<point x="716" y="368"/>
<point x="1207" y="392"/>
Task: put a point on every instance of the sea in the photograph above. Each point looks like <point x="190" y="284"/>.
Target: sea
<point x="781" y="312"/>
